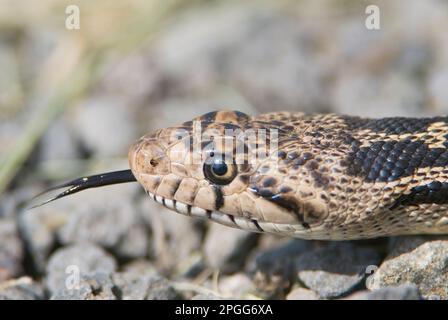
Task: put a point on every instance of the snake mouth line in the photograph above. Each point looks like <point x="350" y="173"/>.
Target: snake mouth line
<point x="227" y="219"/>
<point x="216" y="216"/>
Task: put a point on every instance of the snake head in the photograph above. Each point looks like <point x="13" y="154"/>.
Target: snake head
<point x="227" y="167"/>
<point x="222" y="166"/>
<point x="194" y="168"/>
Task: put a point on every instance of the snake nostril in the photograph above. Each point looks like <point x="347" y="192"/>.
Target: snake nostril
<point x="153" y="162"/>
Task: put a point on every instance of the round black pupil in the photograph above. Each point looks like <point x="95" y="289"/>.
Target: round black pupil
<point x="219" y="168"/>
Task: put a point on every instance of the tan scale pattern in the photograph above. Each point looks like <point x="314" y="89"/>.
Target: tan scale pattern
<point x="304" y="189"/>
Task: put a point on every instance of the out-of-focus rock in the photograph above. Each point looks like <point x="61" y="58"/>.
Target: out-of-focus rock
<point x="357" y="93"/>
<point x="106" y="217"/>
<point x="175" y="238"/>
<point x="437" y="85"/>
<point x="143" y="286"/>
<point x="403" y="292"/>
<point x="11" y="250"/>
<point x="302" y="294"/>
<point x="335" y="268"/>
<point x="416" y="260"/>
<point x="58" y="143"/>
<point x="246" y="57"/>
<point x="38" y="230"/>
<point x="273" y="268"/>
<point x="23" y="288"/>
<point x="71" y="263"/>
<point x="227" y="248"/>
<point x="208" y="296"/>
<point x="236" y="286"/>
<point x="104" y="125"/>
<point x="95" y="286"/>
<point x="135" y="79"/>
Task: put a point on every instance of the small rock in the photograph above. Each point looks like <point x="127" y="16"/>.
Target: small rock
<point x="422" y="261"/>
<point x="403" y="292"/>
<point x="208" y="296"/>
<point x="302" y="294"/>
<point x="245" y="57"/>
<point x="76" y="261"/>
<point x="226" y="248"/>
<point x="58" y="143"/>
<point x="96" y="122"/>
<point x="21" y="289"/>
<point x="134" y="243"/>
<point x="335" y="268"/>
<point x="135" y="78"/>
<point x="106" y="217"/>
<point x="146" y="286"/>
<point x="236" y="286"/>
<point x="139" y="266"/>
<point x="273" y="269"/>
<point x="96" y="286"/>
<point x="38" y="230"/>
<point x="174" y="237"/>
<point x="11" y="251"/>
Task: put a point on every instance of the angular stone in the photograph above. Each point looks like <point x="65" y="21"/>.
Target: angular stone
<point x="21" y="289"/>
<point x="422" y="261"/>
<point x="336" y="268"/>
<point x="69" y="264"/>
<point x="403" y="292"/>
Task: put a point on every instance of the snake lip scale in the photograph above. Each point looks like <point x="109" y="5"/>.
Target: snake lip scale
<point x="323" y="176"/>
<point x="216" y="216"/>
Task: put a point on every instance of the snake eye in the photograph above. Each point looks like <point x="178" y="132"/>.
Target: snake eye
<point x="219" y="172"/>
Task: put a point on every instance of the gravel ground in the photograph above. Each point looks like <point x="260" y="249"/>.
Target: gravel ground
<point x="115" y="243"/>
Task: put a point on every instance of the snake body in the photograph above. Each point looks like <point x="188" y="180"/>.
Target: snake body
<point x="327" y="177"/>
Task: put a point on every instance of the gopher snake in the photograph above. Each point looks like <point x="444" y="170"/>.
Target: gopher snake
<point x="328" y="177"/>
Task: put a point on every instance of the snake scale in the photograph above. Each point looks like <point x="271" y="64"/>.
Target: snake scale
<point x="327" y="176"/>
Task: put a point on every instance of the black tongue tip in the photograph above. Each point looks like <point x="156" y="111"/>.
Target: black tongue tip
<point x="95" y="181"/>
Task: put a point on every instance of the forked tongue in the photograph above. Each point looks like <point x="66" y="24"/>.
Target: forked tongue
<point x="95" y="181"/>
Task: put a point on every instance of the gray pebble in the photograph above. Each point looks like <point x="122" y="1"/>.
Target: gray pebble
<point x="236" y="286"/>
<point x="21" y="289"/>
<point x="96" y="286"/>
<point x="104" y="124"/>
<point x="336" y="268"/>
<point x="302" y="294"/>
<point x="208" y="296"/>
<point x="58" y="143"/>
<point x="11" y="250"/>
<point x="245" y="57"/>
<point x="143" y="286"/>
<point x="417" y="260"/>
<point x="403" y="292"/>
<point x="38" y="229"/>
<point x="227" y="248"/>
<point x="273" y="268"/>
<point x="175" y="238"/>
<point x="105" y="216"/>
<point x="76" y="261"/>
